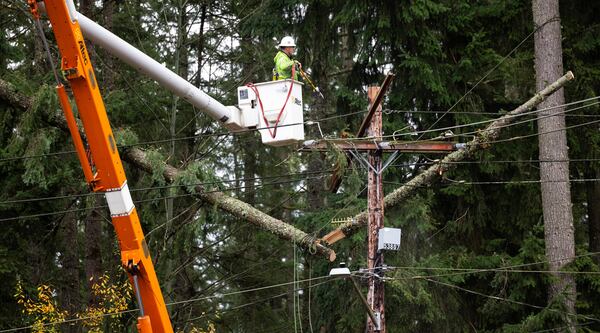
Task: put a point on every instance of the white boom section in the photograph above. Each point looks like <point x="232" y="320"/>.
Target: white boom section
<point x="228" y="116"/>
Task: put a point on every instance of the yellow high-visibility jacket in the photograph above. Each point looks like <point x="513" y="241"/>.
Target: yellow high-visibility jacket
<point x="283" y="67"/>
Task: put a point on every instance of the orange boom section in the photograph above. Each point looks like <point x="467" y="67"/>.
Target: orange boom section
<point x="106" y="173"/>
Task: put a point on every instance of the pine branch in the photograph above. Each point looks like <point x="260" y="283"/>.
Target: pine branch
<point x="14" y="98"/>
<point x="432" y="174"/>
<point x="235" y="207"/>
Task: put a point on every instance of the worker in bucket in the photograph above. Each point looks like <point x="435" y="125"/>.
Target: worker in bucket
<point x="284" y="61"/>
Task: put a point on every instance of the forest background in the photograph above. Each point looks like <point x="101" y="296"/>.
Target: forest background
<point x="473" y="248"/>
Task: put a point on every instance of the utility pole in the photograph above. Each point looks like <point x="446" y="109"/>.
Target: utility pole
<point x="375" y="295"/>
<point x="375" y="147"/>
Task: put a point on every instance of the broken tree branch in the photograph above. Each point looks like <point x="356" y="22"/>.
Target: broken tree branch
<point x="480" y="142"/>
<point x="235" y="207"/>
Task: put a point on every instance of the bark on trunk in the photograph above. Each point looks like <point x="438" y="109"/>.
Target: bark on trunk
<point x="230" y="205"/>
<point x="433" y="173"/>
<point x="559" y="232"/>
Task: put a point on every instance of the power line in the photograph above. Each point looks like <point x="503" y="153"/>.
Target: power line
<point x="498" y="298"/>
<point x="256" y="302"/>
<point x="68" y="321"/>
<point x="467" y="271"/>
<point x="488" y="73"/>
<point x="407" y="164"/>
<point x="210" y="134"/>
<point x="495" y="114"/>
<point x="547" y="132"/>
<point x="10" y="159"/>
<point x="564" y="328"/>
<point x="165" y="187"/>
<point x="463" y="271"/>
<point x="135" y="91"/>
<point x="309" y="122"/>
<point x="540" y="117"/>
<point x="537" y="181"/>
<point x="506" y="182"/>
<point x="470" y="134"/>
<point x="150" y="200"/>
<point x="432" y="162"/>
<point x="393" y="136"/>
<point x="273" y="253"/>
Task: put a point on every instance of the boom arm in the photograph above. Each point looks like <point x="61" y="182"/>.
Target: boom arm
<point x="228" y="116"/>
<point x="107" y="174"/>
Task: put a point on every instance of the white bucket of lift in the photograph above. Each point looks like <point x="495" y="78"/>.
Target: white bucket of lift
<point x="287" y="127"/>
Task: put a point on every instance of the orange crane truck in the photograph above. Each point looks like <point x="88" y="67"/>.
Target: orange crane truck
<point x="98" y="154"/>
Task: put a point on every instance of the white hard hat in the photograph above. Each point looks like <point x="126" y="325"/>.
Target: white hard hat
<point x="287" y="41"/>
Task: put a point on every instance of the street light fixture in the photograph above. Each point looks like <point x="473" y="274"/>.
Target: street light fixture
<point x="344" y="272"/>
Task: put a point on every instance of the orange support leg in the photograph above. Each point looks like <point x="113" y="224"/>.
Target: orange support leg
<point x="81" y="154"/>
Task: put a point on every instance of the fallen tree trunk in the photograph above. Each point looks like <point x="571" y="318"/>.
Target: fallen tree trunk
<point x="235" y="207"/>
<point x="427" y="177"/>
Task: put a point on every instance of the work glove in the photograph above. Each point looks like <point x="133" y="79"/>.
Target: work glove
<point x="298" y="64"/>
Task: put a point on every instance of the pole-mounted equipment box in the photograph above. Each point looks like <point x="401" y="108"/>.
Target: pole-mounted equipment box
<point x="389" y="239"/>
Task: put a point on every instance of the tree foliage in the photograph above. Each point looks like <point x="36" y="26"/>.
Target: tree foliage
<point x="472" y="254"/>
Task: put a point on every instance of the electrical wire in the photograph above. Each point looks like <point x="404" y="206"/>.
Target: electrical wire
<point x="150" y="200"/>
<point x="262" y="262"/>
<point x="532" y="112"/>
<point x="498" y="298"/>
<point x="564" y="328"/>
<point x="305" y="122"/>
<point x="490" y="72"/>
<point x="472" y="133"/>
<point x="407" y="164"/>
<point x="508" y="116"/>
<point x="535" y="119"/>
<point x="495" y="114"/>
<point x="295" y="284"/>
<point x="507" y="182"/>
<point x="217" y="134"/>
<point x="192" y="300"/>
<point x="502" y="269"/>
<point x="272" y="254"/>
<point x="547" y="132"/>
<point x="217" y="312"/>
<point x="134" y="90"/>
<point x="432" y="162"/>
<point x="204" y="135"/>
<point x="166" y="187"/>
<point x="467" y="271"/>
<point x="310" y="286"/>
<point x="582" y="180"/>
